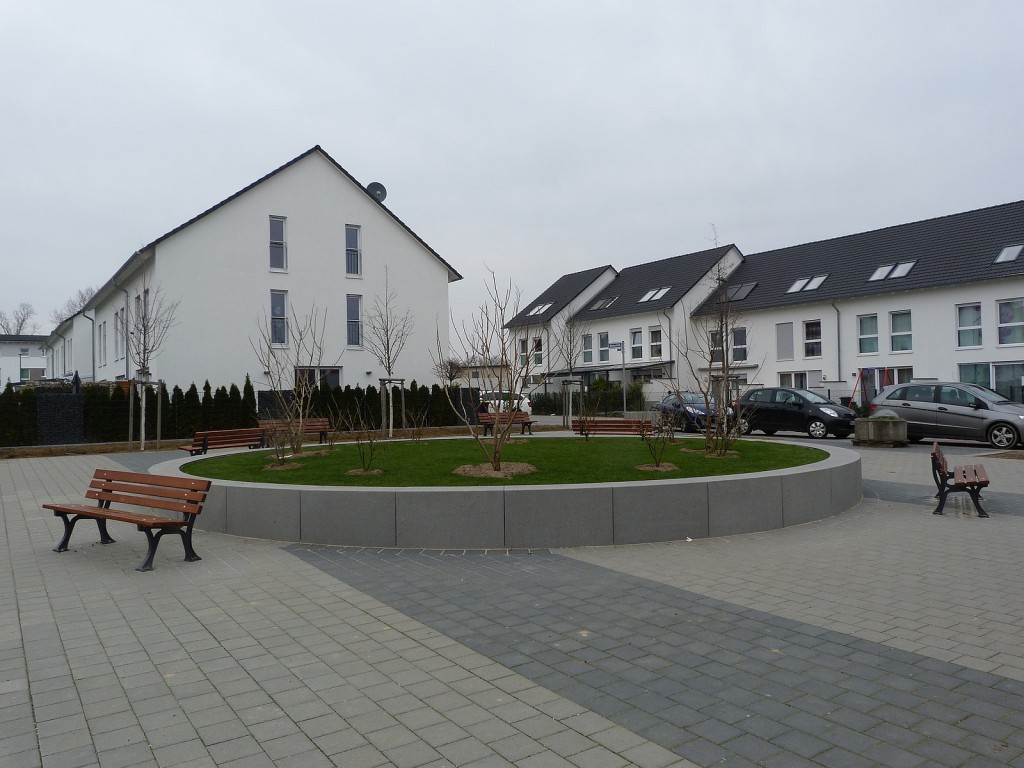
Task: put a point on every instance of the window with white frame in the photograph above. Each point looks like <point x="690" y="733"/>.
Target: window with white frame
<point x="324" y="378"/>
<point x="784" y="341"/>
<point x="524" y="354"/>
<point x="654" y="337"/>
<point x="739" y="345"/>
<point x="968" y="325"/>
<point x="538" y="351"/>
<point x="279" y="317"/>
<point x="540" y="309"/>
<point x="103" y="342"/>
<point x="715" y="346"/>
<point x="867" y="334"/>
<point x="354" y="320"/>
<point x="976" y="373"/>
<point x="353" y="251"/>
<point x="900" y="336"/>
<point x="636" y="344"/>
<point x="603" y="348"/>
<point x="812" y="338"/>
<point x="793" y="380"/>
<point x="588" y="348"/>
<point x="1011" y="321"/>
<point x="278" y="249"/>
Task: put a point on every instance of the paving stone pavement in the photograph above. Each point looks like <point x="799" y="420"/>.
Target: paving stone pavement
<point x="883" y="637"/>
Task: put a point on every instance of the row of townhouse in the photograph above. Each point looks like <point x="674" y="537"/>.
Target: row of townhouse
<point x="936" y="299"/>
<point x="305" y="238"/>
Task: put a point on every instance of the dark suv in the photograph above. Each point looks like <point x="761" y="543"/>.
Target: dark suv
<point x="771" y="409"/>
<point x="950" y="409"/>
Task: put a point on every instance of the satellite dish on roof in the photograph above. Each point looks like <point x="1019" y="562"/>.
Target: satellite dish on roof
<point x="378" y="191"/>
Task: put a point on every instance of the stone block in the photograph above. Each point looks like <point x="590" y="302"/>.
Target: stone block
<point x="355" y="517"/>
<point x="451" y="518"/>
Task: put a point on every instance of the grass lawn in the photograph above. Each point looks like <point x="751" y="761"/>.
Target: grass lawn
<point x="558" y="460"/>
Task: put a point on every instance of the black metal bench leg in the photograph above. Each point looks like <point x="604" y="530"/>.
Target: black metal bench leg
<point x="942" y="494"/>
<point x="69" y="526"/>
<point x="186" y="542"/>
<point x="976" y="498"/>
<point x="154" y="542"/>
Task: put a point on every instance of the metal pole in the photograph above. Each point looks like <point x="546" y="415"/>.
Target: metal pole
<point x="622" y="348"/>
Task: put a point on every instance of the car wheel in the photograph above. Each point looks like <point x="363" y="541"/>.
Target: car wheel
<point x="915" y="438"/>
<point x="769" y="432"/>
<point x="744" y="427"/>
<point x="1002" y="436"/>
<point x="816" y="428"/>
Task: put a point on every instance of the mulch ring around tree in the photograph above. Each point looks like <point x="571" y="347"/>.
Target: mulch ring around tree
<point x="508" y="469"/>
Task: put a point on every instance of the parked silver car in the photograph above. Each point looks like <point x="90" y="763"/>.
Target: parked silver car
<point x="951" y="409"/>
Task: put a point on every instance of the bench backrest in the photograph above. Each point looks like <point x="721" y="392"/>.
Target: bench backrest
<point x="318" y="424"/>
<point x="212" y="437"/>
<point x="174" y="494"/>
<point x="939" y="459"/>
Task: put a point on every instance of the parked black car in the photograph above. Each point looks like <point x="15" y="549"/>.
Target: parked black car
<point x="771" y="409"/>
<point x="687" y="411"/>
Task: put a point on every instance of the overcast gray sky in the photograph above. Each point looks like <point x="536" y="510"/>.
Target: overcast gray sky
<point x="533" y="138"/>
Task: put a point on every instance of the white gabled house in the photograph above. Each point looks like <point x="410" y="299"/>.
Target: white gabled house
<point x="937" y="299"/>
<point x="305" y="236"/>
<point x="22" y="358"/>
<point x="645" y="308"/>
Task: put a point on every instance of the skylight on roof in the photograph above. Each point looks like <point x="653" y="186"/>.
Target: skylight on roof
<point x="807" y="284"/>
<point x="654" y="294"/>
<point x="739" y="292"/>
<point x="1009" y="253"/>
<point x="902" y="269"/>
<point x="604" y="303"/>
<point x="540" y="309"/>
<point x="892" y="270"/>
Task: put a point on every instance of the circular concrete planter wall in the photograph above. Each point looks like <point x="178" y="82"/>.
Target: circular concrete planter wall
<point x="533" y="516"/>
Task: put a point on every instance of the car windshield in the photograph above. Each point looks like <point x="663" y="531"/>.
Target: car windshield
<point x="695" y="399"/>
<point x="812" y="397"/>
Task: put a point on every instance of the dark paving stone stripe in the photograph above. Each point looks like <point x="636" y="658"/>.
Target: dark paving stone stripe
<point x="711" y="681"/>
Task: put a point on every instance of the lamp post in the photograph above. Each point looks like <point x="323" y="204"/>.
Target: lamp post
<point x="621" y="346"/>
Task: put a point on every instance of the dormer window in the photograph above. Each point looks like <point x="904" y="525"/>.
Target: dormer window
<point x="655" y="294"/>
<point x="807" y="284"/>
<point x="540" y="309"/>
<point x="892" y="270"/>
<point x="1009" y="253"/>
<point x="603" y="303"/>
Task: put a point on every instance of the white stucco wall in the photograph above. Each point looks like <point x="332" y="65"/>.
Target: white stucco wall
<point x="219" y="269"/>
<point x="935" y="353"/>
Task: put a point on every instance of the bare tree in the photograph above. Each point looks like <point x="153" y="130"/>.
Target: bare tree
<point x="291" y="352"/>
<point x="566" y="340"/>
<point x="448" y="369"/>
<point x="386" y="332"/>
<point x="73" y="305"/>
<point x="148" y="324"/>
<point x="20" y="321"/>
<point x="486" y="336"/>
<point x="704" y="348"/>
